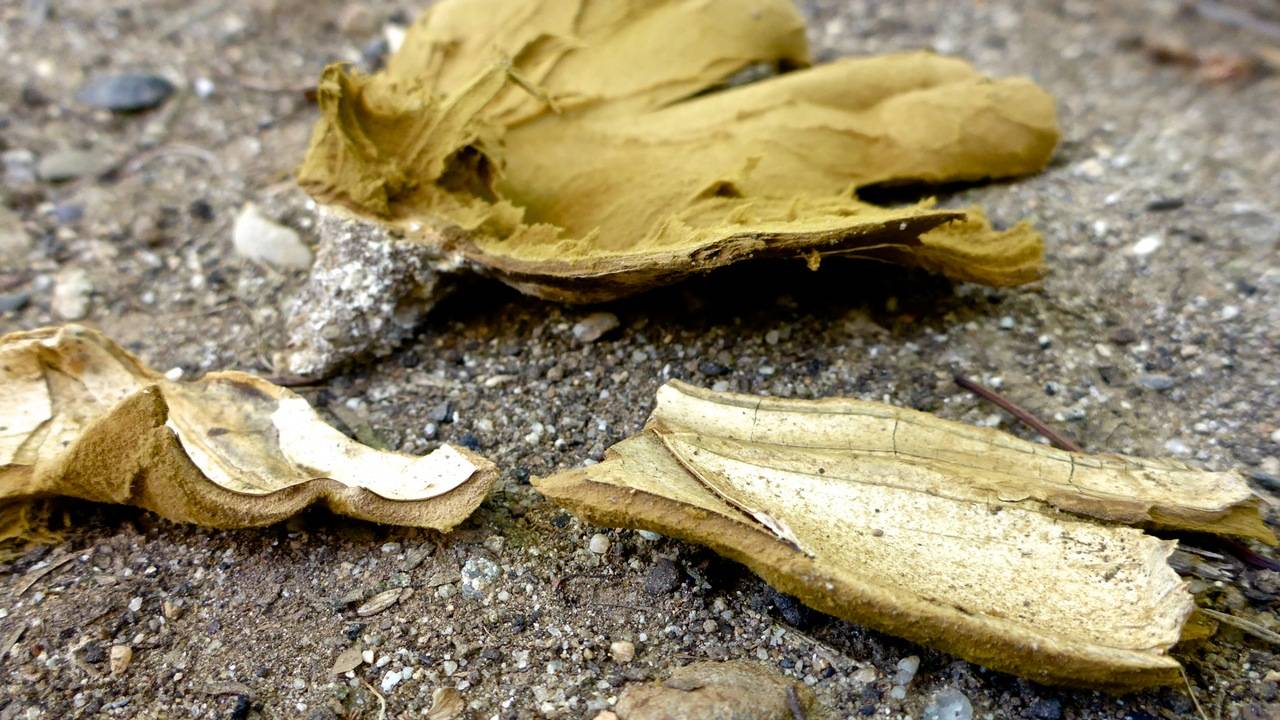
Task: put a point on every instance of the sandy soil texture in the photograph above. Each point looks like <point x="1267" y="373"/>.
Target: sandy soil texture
<point x="1156" y="332"/>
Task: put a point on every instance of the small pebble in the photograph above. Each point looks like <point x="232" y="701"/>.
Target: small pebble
<point x="121" y="656"/>
<point x="72" y="294"/>
<point x="126" y="92"/>
<point x="135" y="604"/>
<point x="948" y="704"/>
<point x="64" y="165"/>
<point x="594" y="326"/>
<point x="1165" y="204"/>
<point x="68" y="213"/>
<point x="1156" y="382"/>
<point x="599" y="544"/>
<point x="712" y="369"/>
<point x="449" y="666"/>
<point x="358" y="19"/>
<point x="907" y="668"/>
<point x="390" y="680"/>
<point x="441" y="412"/>
<point x="203" y="87"/>
<point x="1147" y="245"/>
<point x="663" y="577"/>
<point x="15" y="241"/>
<point x="478" y="576"/>
<point x="14" y="301"/>
<point x="622" y="651"/>
<point x="93" y="652"/>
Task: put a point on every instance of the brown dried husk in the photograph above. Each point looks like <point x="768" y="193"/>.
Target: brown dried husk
<point x="83" y="418"/>
<point x="586" y="151"/>
<point x="1010" y="554"/>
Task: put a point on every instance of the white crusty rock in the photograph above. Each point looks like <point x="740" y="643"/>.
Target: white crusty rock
<point x="367" y="292"/>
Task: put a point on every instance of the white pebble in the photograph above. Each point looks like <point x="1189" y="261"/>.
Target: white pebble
<point x="1147" y="245"/>
<point x="622" y="651"/>
<point x="390" y="680"/>
<point x="72" y="294"/>
<point x="599" y="544"/>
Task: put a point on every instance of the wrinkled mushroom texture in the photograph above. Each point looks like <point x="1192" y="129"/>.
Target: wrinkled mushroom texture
<point x="1014" y="555"/>
<point x="83" y="418"/>
<point x="585" y="150"/>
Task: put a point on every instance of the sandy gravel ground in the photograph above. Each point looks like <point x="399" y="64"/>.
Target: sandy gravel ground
<point x="1156" y="332"/>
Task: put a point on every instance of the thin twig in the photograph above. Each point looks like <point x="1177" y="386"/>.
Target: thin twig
<point x="1246" y="626"/>
<point x="1059" y="440"/>
<point x="382" y="702"/>
<point x="1192" y="693"/>
<point x="34" y="577"/>
<point x="1249" y="557"/>
<point x="173" y="150"/>
<point x="793" y="703"/>
<point x="12" y="640"/>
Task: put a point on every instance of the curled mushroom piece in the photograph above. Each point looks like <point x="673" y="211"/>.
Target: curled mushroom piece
<point x="586" y="151"/>
<point x="83" y="418"/>
<point x="1014" y="555"/>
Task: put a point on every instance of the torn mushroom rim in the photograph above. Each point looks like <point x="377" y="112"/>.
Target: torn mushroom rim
<point x="677" y="401"/>
<point x="980" y="639"/>
<point x="313" y="448"/>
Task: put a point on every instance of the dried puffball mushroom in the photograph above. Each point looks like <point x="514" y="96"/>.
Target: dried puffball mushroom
<point x="85" y="419"/>
<point x="1017" y="556"/>
<point x="588" y="151"/>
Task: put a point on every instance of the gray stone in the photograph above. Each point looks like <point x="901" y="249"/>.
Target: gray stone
<point x="1156" y="382"/>
<point x="64" y="165"/>
<point x="663" y="577"/>
<point x="948" y="704"/>
<point x="14" y="301"/>
<point x="19" y="167"/>
<point x="125" y="92"/>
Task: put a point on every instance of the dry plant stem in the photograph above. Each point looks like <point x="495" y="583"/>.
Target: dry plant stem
<point x="1246" y="626"/>
<point x="793" y="704"/>
<point x="35" y="576"/>
<point x="1060" y="441"/>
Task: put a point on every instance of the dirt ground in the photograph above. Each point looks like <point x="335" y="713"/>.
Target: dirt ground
<point x="1156" y="332"/>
